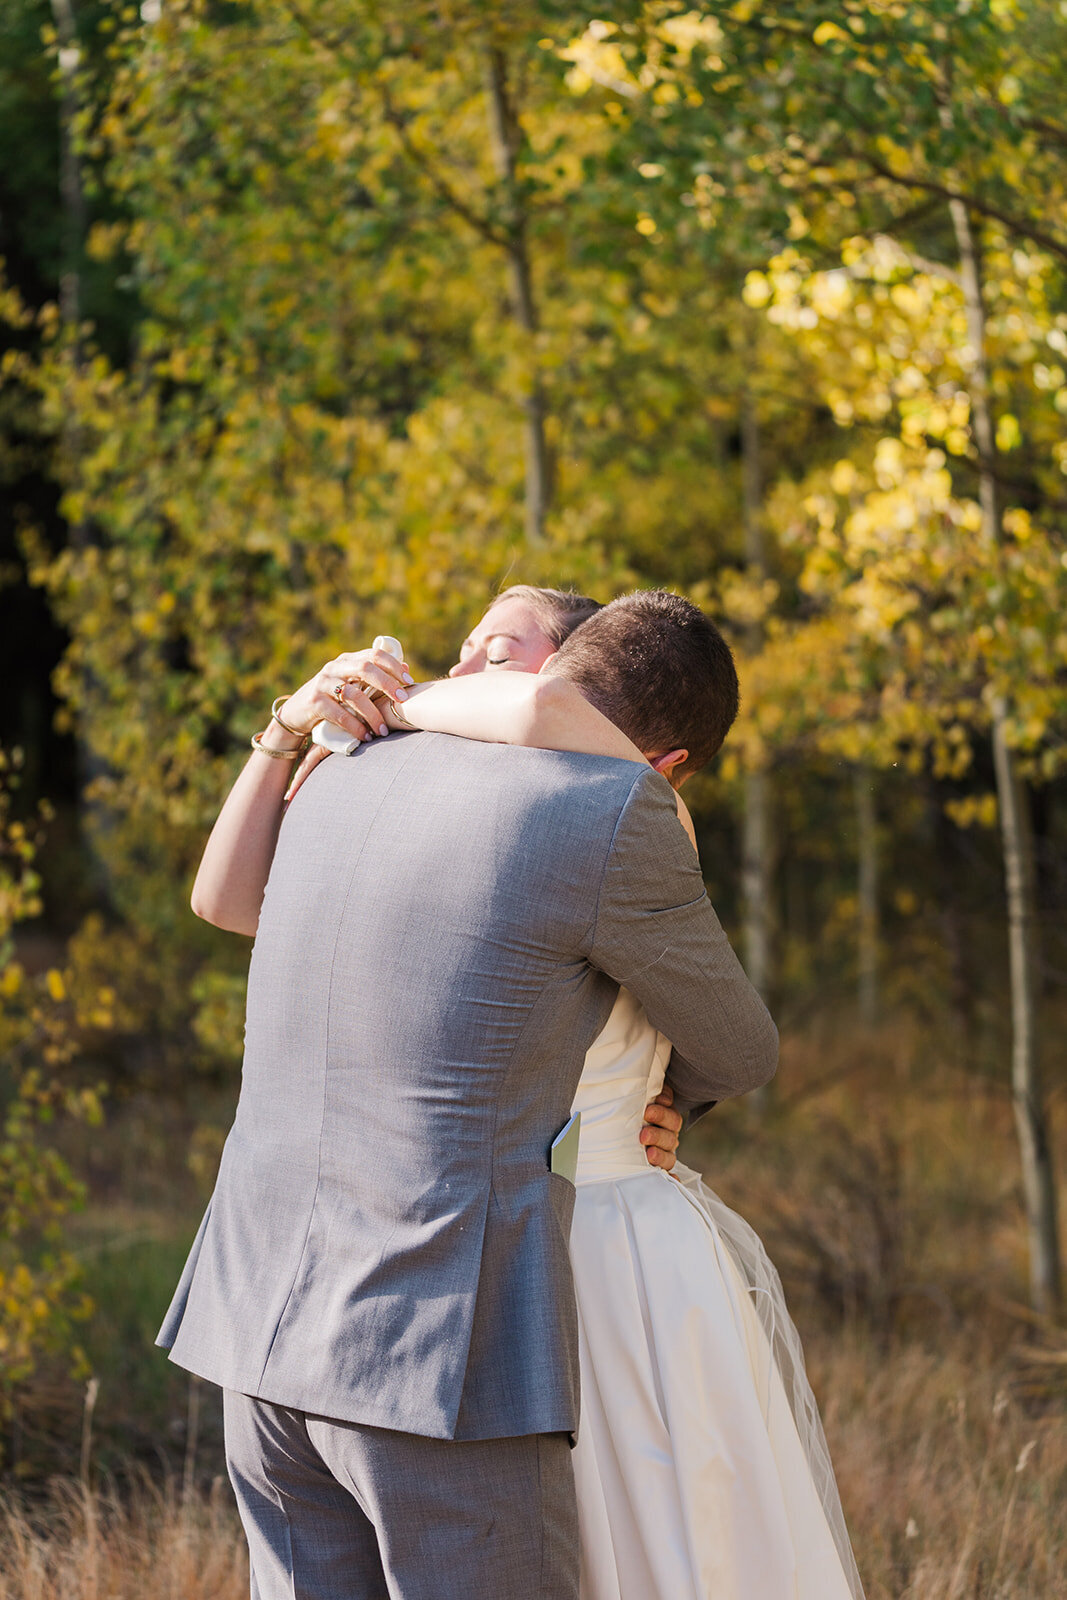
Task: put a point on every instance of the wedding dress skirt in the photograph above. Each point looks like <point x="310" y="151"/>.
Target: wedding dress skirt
<point x="701" y="1467"/>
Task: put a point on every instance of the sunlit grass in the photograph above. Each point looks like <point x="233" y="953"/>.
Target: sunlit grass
<point x="953" y="1483"/>
<point x="149" y="1543"/>
<point x="886" y="1187"/>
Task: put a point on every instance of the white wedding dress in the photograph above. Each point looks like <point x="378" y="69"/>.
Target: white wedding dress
<point x="701" y="1466"/>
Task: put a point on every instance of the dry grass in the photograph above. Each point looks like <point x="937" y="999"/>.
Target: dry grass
<point x="886" y="1187"/>
<point x="954" y="1488"/>
<point x="150" y="1544"/>
<point x="953" y="1485"/>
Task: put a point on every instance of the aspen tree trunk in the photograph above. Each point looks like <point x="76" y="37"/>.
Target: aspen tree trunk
<point x="504" y="133"/>
<point x="75" y="222"/>
<point x="756" y="845"/>
<point x="756" y="834"/>
<point x="71" y="193"/>
<point x="1031" y="1116"/>
<point x="867" y="894"/>
<point x="755" y="881"/>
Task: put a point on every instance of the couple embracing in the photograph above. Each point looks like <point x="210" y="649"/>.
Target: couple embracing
<point x="486" y="988"/>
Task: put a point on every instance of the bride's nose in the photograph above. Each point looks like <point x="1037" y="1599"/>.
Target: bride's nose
<point x="463" y="668"/>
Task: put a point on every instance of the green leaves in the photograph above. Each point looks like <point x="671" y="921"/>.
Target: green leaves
<point x="322" y="431"/>
<point x="921" y="621"/>
<point x="43" y="1023"/>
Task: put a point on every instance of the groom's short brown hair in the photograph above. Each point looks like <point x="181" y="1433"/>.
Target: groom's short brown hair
<point x="658" y="668"/>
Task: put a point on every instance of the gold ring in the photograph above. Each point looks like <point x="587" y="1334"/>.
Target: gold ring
<point x="371" y="690"/>
<point x="338" y="693"/>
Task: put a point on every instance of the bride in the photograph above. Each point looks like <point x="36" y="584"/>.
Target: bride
<point x="701" y="1467"/>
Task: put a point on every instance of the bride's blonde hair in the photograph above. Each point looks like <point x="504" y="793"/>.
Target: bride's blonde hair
<point x="558" y="611"/>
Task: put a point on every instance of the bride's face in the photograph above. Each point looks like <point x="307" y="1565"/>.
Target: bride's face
<point x="508" y="639"/>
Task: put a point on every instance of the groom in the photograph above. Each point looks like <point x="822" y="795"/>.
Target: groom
<point x="381" y="1283"/>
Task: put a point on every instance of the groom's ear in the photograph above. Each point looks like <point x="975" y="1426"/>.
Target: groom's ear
<point x="667" y="765"/>
<point x="546" y="662"/>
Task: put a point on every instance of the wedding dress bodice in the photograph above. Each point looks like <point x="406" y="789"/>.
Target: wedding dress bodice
<point x="624" y="1070"/>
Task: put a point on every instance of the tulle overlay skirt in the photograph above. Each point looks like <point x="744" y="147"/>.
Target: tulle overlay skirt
<point x="701" y="1465"/>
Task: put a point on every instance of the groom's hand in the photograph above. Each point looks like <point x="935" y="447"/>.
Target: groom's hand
<point x="662" y="1129"/>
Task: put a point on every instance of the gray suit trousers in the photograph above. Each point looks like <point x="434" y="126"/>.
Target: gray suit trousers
<point x="343" y="1511"/>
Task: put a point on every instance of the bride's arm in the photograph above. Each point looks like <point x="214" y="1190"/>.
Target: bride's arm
<point x="537" y="710"/>
<point x="686" y="820"/>
<point x="237" y="858"/>
<point x="233" y="870"/>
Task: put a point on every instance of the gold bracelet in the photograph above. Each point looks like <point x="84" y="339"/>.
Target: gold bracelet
<point x="297" y="733"/>
<point x="277" y="755"/>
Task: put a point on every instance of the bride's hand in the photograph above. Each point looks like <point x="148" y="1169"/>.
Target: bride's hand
<point x="662" y="1130"/>
<point x="349" y="675"/>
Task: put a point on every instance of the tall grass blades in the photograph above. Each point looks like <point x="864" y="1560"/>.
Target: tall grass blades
<point x="150" y="1543"/>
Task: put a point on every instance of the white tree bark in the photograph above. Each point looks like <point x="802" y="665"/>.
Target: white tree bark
<point x="503" y="129"/>
<point x="756" y="848"/>
<point x="1031" y="1114"/>
<point x="755" y="881"/>
<point x="867" y="894"/>
<point x="74" y="213"/>
<point x="71" y="191"/>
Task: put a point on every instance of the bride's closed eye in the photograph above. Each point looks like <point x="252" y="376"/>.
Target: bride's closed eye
<point x="497" y="653"/>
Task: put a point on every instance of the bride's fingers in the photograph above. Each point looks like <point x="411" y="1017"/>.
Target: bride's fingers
<point x="659" y="1139"/>
<point x="378" y="678"/>
<point x="660" y="1142"/>
<point x="665" y="1118"/>
<point x="377" y="666"/>
<point x="355" y="711"/>
<point x="307" y="766"/>
<point x="323" y="706"/>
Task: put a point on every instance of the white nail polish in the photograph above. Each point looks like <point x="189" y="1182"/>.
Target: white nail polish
<point x="408" y="678"/>
<point x="383" y="729"/>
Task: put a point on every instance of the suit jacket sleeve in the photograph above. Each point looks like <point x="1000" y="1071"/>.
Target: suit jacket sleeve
<point x="655" y="932"/>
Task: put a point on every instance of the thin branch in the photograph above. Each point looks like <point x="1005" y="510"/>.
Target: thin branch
<point x="395" y="118"/>
<point x="936" y="269"/>
<point x="480" y="224"/>
<point x="1027" y="230"/>
<point x="1049" y="131"/>
<point x="333" y="44"/>
<point x="905" y="219"/>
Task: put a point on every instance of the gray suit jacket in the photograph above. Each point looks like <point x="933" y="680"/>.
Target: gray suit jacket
<point x="442" y="937"/>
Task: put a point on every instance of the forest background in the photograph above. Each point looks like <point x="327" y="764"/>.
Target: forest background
<point x="324" y="318"/>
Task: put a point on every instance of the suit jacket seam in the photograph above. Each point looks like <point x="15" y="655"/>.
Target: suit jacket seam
<point x="593" y="926"/>
<point x="325" y="1078"/>
<point x="492" y="1189"/>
